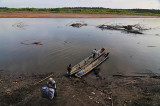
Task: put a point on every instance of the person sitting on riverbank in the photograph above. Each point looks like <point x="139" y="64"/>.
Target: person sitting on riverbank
<point x="51" y="84"/>
<point x="94" y="52"/>
<point x="50" y="90"/>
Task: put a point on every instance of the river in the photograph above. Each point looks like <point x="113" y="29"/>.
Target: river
<point x="63" y="44"/>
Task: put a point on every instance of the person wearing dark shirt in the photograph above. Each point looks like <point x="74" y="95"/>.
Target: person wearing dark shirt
<point x="69" y="68"/>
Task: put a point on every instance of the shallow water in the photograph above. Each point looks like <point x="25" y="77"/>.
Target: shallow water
<point x="63" y="44"/>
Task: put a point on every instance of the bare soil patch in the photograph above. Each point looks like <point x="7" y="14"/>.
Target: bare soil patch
<point x="117" y="90"/>
<point x="66" y="15"/>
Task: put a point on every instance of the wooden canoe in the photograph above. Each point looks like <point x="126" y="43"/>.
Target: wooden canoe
<point x="93" y="65"/>
<point x="85" y="62"/>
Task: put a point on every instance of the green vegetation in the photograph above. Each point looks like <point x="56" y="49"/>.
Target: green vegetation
<point x="89" y="10"/>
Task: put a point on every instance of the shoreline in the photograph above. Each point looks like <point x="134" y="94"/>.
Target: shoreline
<point x="133" y="89"/>
<point x="67" y="15"/>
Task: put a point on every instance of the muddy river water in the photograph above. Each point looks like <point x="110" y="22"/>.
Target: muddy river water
<point x="62" y="44"/>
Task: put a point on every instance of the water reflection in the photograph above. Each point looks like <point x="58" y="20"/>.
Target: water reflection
<point x="63" y="44"/>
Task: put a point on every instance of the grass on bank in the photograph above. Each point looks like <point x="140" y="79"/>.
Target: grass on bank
<point x="149" y="12"/>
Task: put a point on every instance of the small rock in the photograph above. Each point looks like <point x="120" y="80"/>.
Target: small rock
<point x="93" y="93"/>
<point x="109" y="98"/>
<point x="146" y="93"/>
<point x="109" y="93"/>
<point x="1" y="81"/>
<point x="8" y="90"/>
<point x="105" y="91"/>
<point x="90" y="97"/>
<point x="125" y="101"/>
<point x="97" y="102"/>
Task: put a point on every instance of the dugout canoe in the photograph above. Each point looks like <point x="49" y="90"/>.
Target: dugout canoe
<point x="85" y="62"/>
<point x="93" y="65"/>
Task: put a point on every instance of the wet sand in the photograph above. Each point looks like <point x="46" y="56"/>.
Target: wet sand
<point x="67" y="15"/>
<point x="117" y="90"/>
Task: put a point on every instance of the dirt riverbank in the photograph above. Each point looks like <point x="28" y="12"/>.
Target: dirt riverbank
<point x="113" y="90"/>
<point x="66" y="15"/>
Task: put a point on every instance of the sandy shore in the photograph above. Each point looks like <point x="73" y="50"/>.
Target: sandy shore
<point x="114" y="90"/>
<point x="66" y="15"/>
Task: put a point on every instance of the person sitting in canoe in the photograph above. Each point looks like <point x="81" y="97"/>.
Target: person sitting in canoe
<point x="103" y="49"/>
<point x="94" y="52"/>
<point x="69" y="68"/>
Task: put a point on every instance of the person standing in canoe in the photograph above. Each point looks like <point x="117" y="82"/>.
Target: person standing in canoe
<point x="94" y="52"/>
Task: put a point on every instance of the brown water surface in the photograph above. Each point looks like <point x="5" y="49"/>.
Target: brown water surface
<point x="63" y="44"/>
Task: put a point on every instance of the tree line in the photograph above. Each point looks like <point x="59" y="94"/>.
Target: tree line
<point x="89" y="10"/>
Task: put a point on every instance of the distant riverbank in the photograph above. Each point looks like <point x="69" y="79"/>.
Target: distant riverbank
<point x="67" y="15"/>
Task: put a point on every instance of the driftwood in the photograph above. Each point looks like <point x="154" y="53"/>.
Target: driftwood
<point x="27" y="42"/>
<point x="151" y="46"/>
<point x="43" y="79"/>
<point x="136" y="29"/>
<point x="78" y="25"/>
<point x="126" y="76"/>
<point x="37" y="43"/>
<point x="156" y="77"/>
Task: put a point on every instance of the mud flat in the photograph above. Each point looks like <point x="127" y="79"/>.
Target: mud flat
<point x="110" y="90"/>
<point x="66" y="15"/>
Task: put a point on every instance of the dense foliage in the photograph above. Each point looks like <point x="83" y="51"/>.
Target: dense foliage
<point x="89" y="10"/>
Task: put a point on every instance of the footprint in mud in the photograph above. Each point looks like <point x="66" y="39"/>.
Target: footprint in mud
<point x="98" y="73"/>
